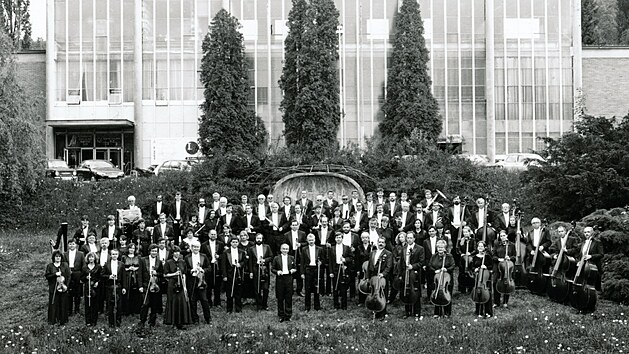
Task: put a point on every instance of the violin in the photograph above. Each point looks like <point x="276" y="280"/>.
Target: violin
<point x="505" y="284"/>
<point x="480" y="292"/>
<point x="583" y="296"/>
<point x="200" y="277"/>
<point x="376" y="301"/>
<point x="61" y="285"/>
<point x="441" y="295"/>
<point x="558" y="287"/>
<point x="153" y="286"/>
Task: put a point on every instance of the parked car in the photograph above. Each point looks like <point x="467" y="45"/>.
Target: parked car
<point x="481" y="160"/>
<point x="144" y="172"/>
<point x="93" y="170"/>
<point x="59" y="169"/>
<point x="174" y="165"/>
<point x="520" y="161"/>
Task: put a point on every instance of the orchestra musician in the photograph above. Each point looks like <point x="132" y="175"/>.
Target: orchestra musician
<point x="361" y="255"/>
<point x="467" y="246"/>
<point x="330" y="204"/>
<point x="351" y="240"/>
<point x="392" y="206"/>
<point x="591" y="250"/>
<point x="483" y="260"/>
<point x="276" y="225"/>
<point x="177" y="311"/>
<point x="179" y="214"/>
<point x="404" y="218"/>
<point x="380" y="197"/>
<point x="233" y="264"/>
<point x="457" y="217"/>
<point x="213" y="248"/>
<point x="244" y="201"/>
<point x="197" y="265"/>
<point x="250" y="222"/>
<point x="75" y="260"/>
<point x="248" y="292"/>
<point x="437" y="265"/>
<point x="305" y="203"/>
<point x="427" y="201"/>
<point x="262" y="208"/>
<point x="287" y="208"/>
<point x="216" y="202"/>
<point x="143" y="237"/>
<point x="355" y="198"/>
<point x="284" y="267"/>
<point x="152" y="270"/>
<point x="158" y="208"/>
<point x="430" y="249"/>
<point x="129" y="224"/>
<point x="399" y="246"/>
<point x="381" y="265"/>
<point x="133" y="282"/>
<point x="162" y="229"/>
<point x="58" y="276"/>
<point x="312" y="258"/>
<point x="102" y="260"/>
<point x="325" y="238"/>
<point x="359" y="219"/>
<point x="314" y="220"/>
<point x="260" y="257"/>
<point x="229" y="219"/>
<point x="114" y="276"/>
<point x="302" y="220"/>
<point x="413" y="258"/>
<point x="501" y="220"/>
<point x="339" y="261"/>
<point x="346" y="208"/>
<point x="112" y="232"/>
<point x="538" y="236"/>
<point x="370" y="206"/>
<point x="296" y="239"/>
<point x="80" y="235"/>
<point x="91" y="245"/>
<point x="501" y="250"/>
<point x="90" y="277"/>
<point x="568" y="243"/>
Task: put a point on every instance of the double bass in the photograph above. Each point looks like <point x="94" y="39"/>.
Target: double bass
<point x="480" y="292"/>
<point x="441" y="295"/>
<point x="519" y="271"/>
<point x="558" y="287"/>
<point x="583" y="296"/>
<point x="364" y="283"/>
<point x="376" y="301"/>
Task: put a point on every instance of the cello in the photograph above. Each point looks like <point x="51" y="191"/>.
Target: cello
<point x="583" y="296"/>
<point x="558" y="287"/>
<point x="376" y="301"/>
<point x="486" y="233"/>
<point x="441" y="295"/>
<point x="505" y="284"/>
<point x="536" y="282"/>
<point x="480" y="292"/>
<point x="364" y="283"/>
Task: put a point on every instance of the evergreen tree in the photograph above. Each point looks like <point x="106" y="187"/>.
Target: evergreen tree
<point x="409" y="103"/>
<point x="17" y="22"/>
<point x="589" y="22"/>
<point x="607" y="28"/>
<point x="227" y="124"/>
<point x="21" y="139"/>
<point x="310" y="106"/>
<point x="622" y="20"/>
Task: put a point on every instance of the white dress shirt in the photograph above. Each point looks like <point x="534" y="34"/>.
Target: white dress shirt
<point x="201" y="214"/>
<point x="162" y="254"/>
<point x="158" y="208"/>
<point x="537" y="233"/>
<point x="234" y="254"/>
<point x="92" y="247"/>
<point x="324" y="235"/>
<point x="285" y="264"/>
<point x="103" y="257"/>
<point x="433" y="244"/>
<point x="339" y="253"/>
<point x="178" y="209"/>
<point x="114" y="267"/>
<point x="294" y="235"/>
<point x="456" y="216"/>
<point x="71" y="257"/>
<point x="313" y="255"/>
<point x="260" y="252"/>
<point x="347" y="239"/>
<point x="373" y="237"/>
<point x="196" y="260"/>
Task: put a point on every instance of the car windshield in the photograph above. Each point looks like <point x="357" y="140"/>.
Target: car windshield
<point x="98" y="163"/>
<point x="57" y="164"/>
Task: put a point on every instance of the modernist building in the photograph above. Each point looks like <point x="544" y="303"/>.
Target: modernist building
<point x="123" y="75"/>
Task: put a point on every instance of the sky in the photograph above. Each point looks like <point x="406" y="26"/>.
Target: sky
<point x="38" y="18"/>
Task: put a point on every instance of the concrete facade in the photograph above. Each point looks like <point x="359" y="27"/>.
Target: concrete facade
<point x="605" y="81"/>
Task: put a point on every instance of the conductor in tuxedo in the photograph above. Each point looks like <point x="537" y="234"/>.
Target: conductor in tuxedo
<point x="284" y="267"/>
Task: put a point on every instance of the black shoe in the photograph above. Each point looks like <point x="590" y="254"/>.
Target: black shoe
<point x="282" y="320"/>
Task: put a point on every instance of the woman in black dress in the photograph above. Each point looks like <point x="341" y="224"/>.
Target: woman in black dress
<point x="58" y="276"/>
<point x="90" y="276"/>
<point x="132" y="300"/>
<point x="177" y="302"/>
<point x="483" y="261"/>
<point x="142" y="237"/>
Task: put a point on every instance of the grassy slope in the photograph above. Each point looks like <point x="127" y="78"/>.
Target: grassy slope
<point x="531" y="324"/>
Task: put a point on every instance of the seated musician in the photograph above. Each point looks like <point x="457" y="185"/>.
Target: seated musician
<point x="564" y="241"/>
<point x="482" y="260"/>
<point x="538" y="236"/>
<point x="442" y="261"/>
<point x="381" y="265"/>
<point x="503" y="249"/>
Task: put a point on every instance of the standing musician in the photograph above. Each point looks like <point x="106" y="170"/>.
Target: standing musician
<point x="80" y="235"/>
<point x="336" y="221"/>
<point x="325" y="238"/>
<point x="112" y="232"/>
<point x="591" y="250"/>
<point x="430" y="249"/>
<point x="158" y="208"/>
<point x="250" y="222"/>
<point x="229" y="219"/>
<point x="361" y="255"/>
<point x="179" y="214"/>
<point x="102" y="260"/>
<point x="481" y="214"/>
<point x="152" y="270"/>
<point x="351" y="240"/>
<point x="58" y="276"/>
<point x="143" y="236"/>
<point x="90" y="246"/>
<point x="248" y="290"/>
<point x="374" y="234"/>
<point x="276" y="225"/>
<point x="437" y="265"/>
<point x="399" y="246"/>
<point x="467" y="245"/>
<point x="114" y="275"/>
<point x="312" y="259"/>
<point x="359" y="219"/>
<point x="284" y="267"/>
<point x="512" y="230"/>
<point x="162" y="229"/>
<point x="421" y="216"/>
<point x="386" y="231"/>
<point x="502" y="249"/>
<point x="404" y="218"/>
<point x="132" y="300"/>
<point x="177" y="301"/>
<point x="262" y="208"/>
<point x="392" y="206"/>
<point x="538" y="236"/>
<point x="213" y="248"/>
<point x="427" y="201"/>
<point x="330" y="204"/>
<point x="75" y="260"/>
<point x="381" y="265"/>
<point x="501" y="220"/>
<point x="301" y="218"/>
<point x="370" y="206"/>
<point x="90" y="277"/>
<point x="287" y="208"/>
<point x="216" y="202"/>
<point x="314" y="220"/>
<point x="347" y="209"/>
<point x="260" y="257"/>
<point x="457" y="216"/>
<point x="483" y="260"/>
<point x="296" y="239"/>
<point x="339" y="261"/>
<point x="305" y="203"/>
<point x="412" y="260"/>
<point x="130" y="223"/>
<point x="436" y="216"/>
<point x="355" y="198"/>
<point x="197" y="265"/>
<point x="233" y="264"/>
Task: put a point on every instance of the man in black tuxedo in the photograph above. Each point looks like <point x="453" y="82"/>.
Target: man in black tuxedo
<point x="260" y="257"/>
<point x="213" y="249"/>
<point x="112" y="232"/>
<point x="412" y="260"/>
<point x="591" y="250"/>
<point x="306" y="204"/>
<point x="249" y="222"/>
<point x="284" y="267"/>
<point x="157" y="208"/>
<point x="80" y="235"/>
<point x="312" y="258"/>
<point x="162" y="229"/>
<point x="76" y="260"/>
<point x="392" y="206"/>
<point x="198" y="266"/>
<point x="501" y="220"/>
<point x="152" y="270"/>
<point x="229" y="219"/>
<point x="296" y="239"/>
<point x="381" y="265"/>
<point x="179" y="213"/>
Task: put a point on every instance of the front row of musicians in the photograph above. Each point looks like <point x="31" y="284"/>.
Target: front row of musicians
<point x="131" y="284"/>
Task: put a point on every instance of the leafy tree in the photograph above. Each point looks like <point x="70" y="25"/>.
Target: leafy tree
<point x="17" y="22"/>
<point x="622" y="20"/>
<point x="310" y="106"/>
<point x="586" y="170"/>
<point x="607" y="28"/>
<point x="589" y="22"/>
<point x="227" y="124"/>
<point x="409" y="103"/>
<point x="21" y="141"/>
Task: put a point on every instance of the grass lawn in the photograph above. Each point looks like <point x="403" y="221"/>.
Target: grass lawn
<point x="531" y="324"/>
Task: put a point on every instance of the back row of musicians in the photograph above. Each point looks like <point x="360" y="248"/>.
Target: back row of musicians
<point x="326" y="259"/>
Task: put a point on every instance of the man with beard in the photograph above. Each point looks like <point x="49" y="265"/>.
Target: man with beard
<point x="260" y="257"/>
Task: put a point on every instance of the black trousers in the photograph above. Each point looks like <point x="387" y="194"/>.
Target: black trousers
<point x="415" y="308"/>
<point x="177" y="231"/>
<point x="340" y="293"/>
<point x="91" y="310"/>
<point x="262" y="292"/>
<point x="499" y="298"/>
<point x="154" y="303"/>
<point x="113" y="307"/>
<point x="199" y="295"/>
<point x="214" y="284"/>
<point x="235" y="297"/>
<point x="284" y="294"/>
<point x="311" y="287"/>
<point x="74" y="292"/>
<point x="430" y="282"/>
